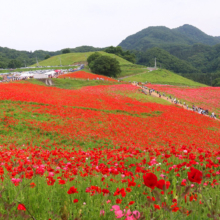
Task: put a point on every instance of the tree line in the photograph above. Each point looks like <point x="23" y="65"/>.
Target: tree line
<point x="10" y="58"/>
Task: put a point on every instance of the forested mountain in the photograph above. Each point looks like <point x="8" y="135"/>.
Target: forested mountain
<point x="197" y="35"/>
<point x="185" y="50"/>
<point x="202" y="57"/>
<point x="164" y="37"/>
<point x="164" y="60"/>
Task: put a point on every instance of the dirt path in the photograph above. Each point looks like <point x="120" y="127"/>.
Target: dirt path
<point x="168" y="100"/>
<point x="162" y="97"/>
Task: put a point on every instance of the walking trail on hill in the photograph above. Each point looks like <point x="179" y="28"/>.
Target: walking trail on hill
<point x="154" y="94"/>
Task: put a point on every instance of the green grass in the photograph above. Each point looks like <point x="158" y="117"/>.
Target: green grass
<point x="72" y="83"/>
<point x="144" y="98"/>
<point x="71" y="58"/>
<point x="77" y="84"/>
<point x="147" y="98"/>
<point x="163" y="76"/>
<point x="33" y="81"/>
<point x="131" y="69"/>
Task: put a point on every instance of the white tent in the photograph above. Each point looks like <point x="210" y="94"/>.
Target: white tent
<point x="52" y="73"/>
<point x="40" y="76"/>
<point x="26" y="75"/>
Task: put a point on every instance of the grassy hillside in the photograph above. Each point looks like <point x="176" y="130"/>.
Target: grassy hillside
<point x="163" y="76"/>
<point x="72" y="83"/>
<point x="71" y="58"/>
<point x="132" y="69"/>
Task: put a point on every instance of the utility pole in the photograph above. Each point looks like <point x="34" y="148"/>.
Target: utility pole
<point x="24" y="63"/>
<point x="155" y="62"/>
<point x="60" y="62"/>
<point x="37" y="62"/>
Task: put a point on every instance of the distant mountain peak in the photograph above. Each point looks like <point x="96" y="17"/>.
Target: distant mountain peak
<point x="161" y="36"/>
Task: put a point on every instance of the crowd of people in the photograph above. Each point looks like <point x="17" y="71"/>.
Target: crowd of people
<point x="194" y="108"/>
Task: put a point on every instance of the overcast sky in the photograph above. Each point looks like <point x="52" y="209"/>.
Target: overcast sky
<point x="57" y="24"/>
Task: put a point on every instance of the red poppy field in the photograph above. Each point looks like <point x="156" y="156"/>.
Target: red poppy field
<point x="95" y="153"/>
<point x="204" y="97"/>
<point x="85" y="75"/>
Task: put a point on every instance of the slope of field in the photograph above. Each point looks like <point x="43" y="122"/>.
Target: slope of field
<point x="71" y="58"/>
<point x="106" y="98"/>
<point x="163" y="76"/>
<point x="85" y="75"/>
<point x="71" y="83"/>
<point x="204" y="97"/>
<point x="101" y="153"/>
<point x="132" y="69"/>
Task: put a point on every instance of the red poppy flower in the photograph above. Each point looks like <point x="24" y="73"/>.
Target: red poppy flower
<point x="161" y="183"/>
<point x="72" y="190"/>
<point x="62" y="182"/>
<point x="195" y="175"/>
<point x="21" y="207"/>
<point x="118" y="201"/>
<point x="105" y="192"/>
<point x="131" y="183"/>
<point x="156" y="206"/>
<point x="152" y="199"/>
<point x="175" y="209"/>
<point x="32" y="185"/>
<point x="131" y="202"/>
<point x="75" y="200"/>
<point x="150" y="180"/>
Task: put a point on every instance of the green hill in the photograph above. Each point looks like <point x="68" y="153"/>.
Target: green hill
<point x="71" y="58"/>
<point x="162" y="76"/>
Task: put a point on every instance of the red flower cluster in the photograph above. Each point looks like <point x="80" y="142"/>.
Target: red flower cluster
<point x="116" y="140"/>
<point x="85" y="75"/>
<point x="72" y="190"/>
<point x="150" y="180"/>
